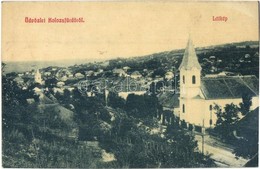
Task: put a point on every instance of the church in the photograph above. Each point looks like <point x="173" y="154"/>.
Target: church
<point x="38" y="77"/>
<point x="198" y="95"/>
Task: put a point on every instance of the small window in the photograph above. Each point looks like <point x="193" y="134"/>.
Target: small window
<point x="183" y="79"/>
<point x="210" y="107"/>
<point x="210" y="122"/>
<point x="183" y="108"/>
<point x="193" y="79"/>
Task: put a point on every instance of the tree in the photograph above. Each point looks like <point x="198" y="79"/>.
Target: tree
<point x="246" y="104"/>
<point x="142" y="106"/>
<point x="115" y="101"/>
<point x="183" y="150"/>
<point x="15" y="106"/>
<point x="134" y="147"/>
<point x="156" y="87"/>
<point x="247" y="132"/>
<point x="67" y="96"/>
<point x="226" y="120"/>
<point x="58" y="96"/>
<point x="159" y="72"/>
<point x="3" y="66"/>
<point x="51" y="82"/>
<point x="135" y="105"/>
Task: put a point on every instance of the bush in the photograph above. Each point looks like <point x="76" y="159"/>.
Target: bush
<point x="15" y="136"/>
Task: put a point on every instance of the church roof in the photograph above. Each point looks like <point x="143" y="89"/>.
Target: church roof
<point x="229" y="87"/>
<point x="190" y="59"/>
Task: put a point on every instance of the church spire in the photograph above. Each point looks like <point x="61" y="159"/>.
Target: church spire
<point x="190" y="60"/>
<point x="38" y="77"/>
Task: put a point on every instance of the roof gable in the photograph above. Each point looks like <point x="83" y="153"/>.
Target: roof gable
<point x="169" y="99"/>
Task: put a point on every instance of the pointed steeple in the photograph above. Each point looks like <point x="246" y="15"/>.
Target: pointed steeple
<point x="38" y="77"/>
<point x="190" y="60"/>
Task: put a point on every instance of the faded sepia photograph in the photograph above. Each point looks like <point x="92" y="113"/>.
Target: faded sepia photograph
<point x="133" y="84"/>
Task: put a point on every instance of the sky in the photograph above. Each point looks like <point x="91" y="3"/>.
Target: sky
<point x="121" y="29"/>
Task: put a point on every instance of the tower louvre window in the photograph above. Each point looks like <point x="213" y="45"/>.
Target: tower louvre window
<point x="193" y="79"/>
<point x="210" y="107"/>
<point x="183" y="108"/>
<point x="183" y="79"/>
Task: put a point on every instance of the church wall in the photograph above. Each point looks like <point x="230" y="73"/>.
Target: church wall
<point x="211" y="114"/>
<point x="222" y="102"/>
<point x="193" y="111"/>
<point x="198" y="109"/>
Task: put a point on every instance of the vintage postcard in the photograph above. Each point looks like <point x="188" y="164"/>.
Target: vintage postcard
<point x="134" y="84"/>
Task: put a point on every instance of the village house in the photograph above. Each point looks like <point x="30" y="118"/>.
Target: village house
<point x="56" y="89"/>
<point x="136" y="75"/>
<point x="60" y="84"/>
<point x="30" y="100"/>
<point x="119" y="72"/>
<point x="47" y="73"/>
<point x="37" y="90"/>
<point x="170" y="101"/>
<point x="100" y="70"/>
<point x="169" y="75"/>
<point x="79" y="75"/>
<point x="126" y="68"/>
<point x="129" y="86"/>
<point x="19" y="80"/>
<point x="64" y="78"/>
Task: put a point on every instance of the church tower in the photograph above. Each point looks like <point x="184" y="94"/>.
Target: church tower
<point x="190" y="82"/>
<point x="38" y="77"/>
<point x="190" y="72"/>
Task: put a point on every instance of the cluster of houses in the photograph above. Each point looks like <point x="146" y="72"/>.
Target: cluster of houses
<point x="123" y="81"/>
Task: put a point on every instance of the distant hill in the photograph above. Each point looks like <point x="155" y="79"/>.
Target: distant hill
<point x="27" y="66"/>
<point x="226" y="45"/>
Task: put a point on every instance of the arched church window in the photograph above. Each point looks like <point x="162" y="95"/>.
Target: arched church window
<point x="183" y="79"/>
<point x="210" y="107"/>
<point x="193" y="79"/>
<point x="183" y="108"/>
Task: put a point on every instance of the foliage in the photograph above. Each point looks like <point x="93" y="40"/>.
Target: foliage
<point x="155" y="88"/>
<point x="142" y="106"/>
<point x="37" y="135"/>
<point x="247" y="133"/>
<point x="134" y="147"/>
<point x="50" y="83"/>
<point x="247" y="147"/>
<point x="115" y="101"/>
<point x="226" y="120"/>
<point x="246" y="104"/>
<point x="158" y="72"/>
<point x="33" y="135"/>
<point x="44" y="154"/>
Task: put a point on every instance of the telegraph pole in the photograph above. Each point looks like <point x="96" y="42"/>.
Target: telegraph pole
<point x="203" y="131"/>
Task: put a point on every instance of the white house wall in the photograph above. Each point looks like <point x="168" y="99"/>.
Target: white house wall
<point x="125" y="94"/>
